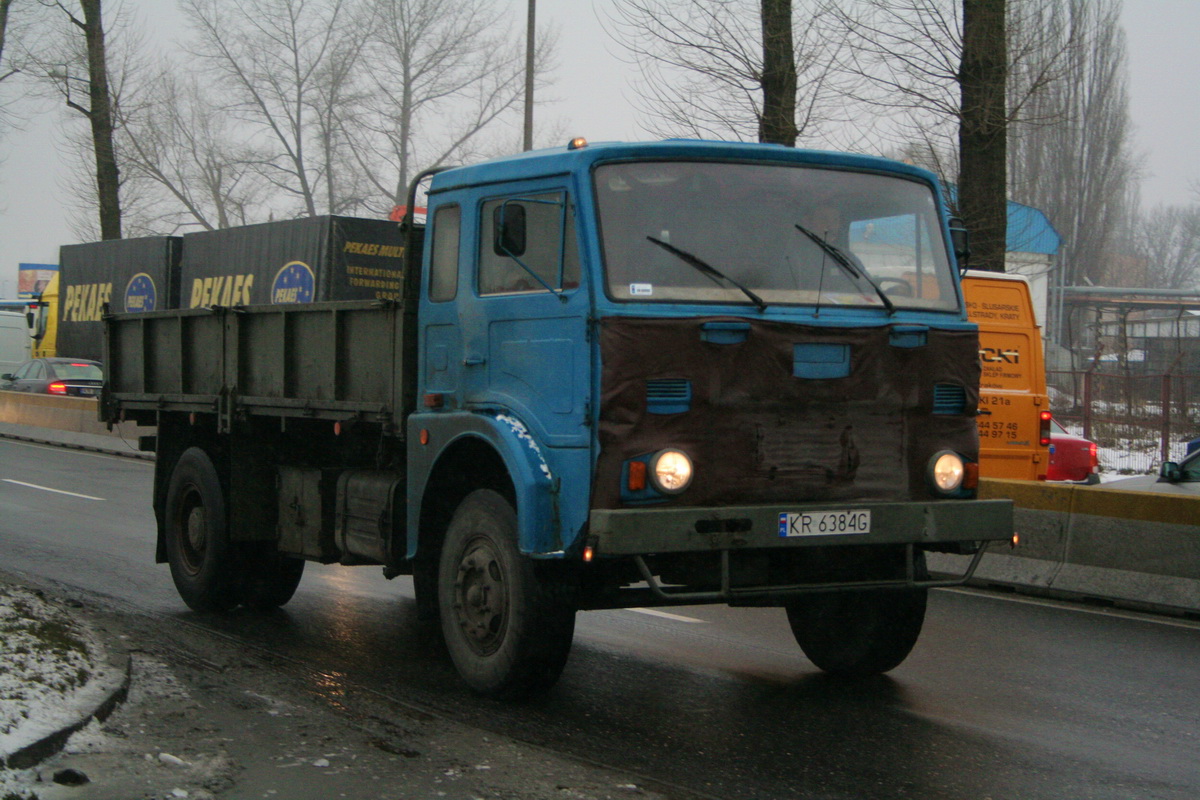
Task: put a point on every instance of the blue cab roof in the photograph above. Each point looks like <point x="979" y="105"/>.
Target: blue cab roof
<point x="562" y="160"/>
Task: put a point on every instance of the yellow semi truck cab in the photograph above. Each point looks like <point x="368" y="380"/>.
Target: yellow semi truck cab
<point x="43" y="322"/>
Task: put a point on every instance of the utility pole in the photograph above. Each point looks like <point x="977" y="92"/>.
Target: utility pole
<point x="529" y="35"/>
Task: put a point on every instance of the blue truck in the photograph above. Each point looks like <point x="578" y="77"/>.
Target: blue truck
<point x="617" y="375"/>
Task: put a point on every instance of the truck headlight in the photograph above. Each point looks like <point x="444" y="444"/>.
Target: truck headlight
<point x="671" y="471"/>
<point x="946" y="472"/>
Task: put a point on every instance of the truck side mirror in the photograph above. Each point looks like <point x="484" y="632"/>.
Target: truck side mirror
<point x="509" y="227"/>
<point x="960" y="240"/>
<point x="1169" y="471"/>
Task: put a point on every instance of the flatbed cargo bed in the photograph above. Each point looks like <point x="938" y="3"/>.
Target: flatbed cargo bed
<point x="321" y="360"/>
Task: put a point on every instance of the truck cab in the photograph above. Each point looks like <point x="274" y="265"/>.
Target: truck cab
<point x="701" y="372"/>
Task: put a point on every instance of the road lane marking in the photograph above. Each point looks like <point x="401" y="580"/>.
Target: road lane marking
<point x="1066" y="605"/>
<point x="48" y="489"/>
<point x="665" y="615"/>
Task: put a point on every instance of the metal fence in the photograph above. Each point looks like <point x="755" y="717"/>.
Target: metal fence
<point x="1136" y="420"/>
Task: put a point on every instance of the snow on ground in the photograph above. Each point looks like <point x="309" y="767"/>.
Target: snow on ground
<point x="53" y="671"/>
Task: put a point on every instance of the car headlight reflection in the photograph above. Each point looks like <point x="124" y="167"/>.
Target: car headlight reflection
<point x="946" y="472"/>
<point x="671" y="471"/>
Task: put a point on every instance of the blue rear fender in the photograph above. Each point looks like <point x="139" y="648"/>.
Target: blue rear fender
<point x="502" y="435"/>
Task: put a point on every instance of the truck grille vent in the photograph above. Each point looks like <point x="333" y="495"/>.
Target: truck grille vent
<point x="949" y="398"/>
<point x="668" y="395"/>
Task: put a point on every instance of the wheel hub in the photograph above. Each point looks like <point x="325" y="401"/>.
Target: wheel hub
<point x="194" y="539"/>
<point x="480" y="598"/>
<point x="197" y="526"/>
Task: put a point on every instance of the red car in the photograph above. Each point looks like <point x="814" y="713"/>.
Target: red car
<point x="1072" y="458"/>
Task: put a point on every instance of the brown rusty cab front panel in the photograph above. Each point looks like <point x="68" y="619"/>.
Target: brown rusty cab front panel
<point x="761" y="426"/>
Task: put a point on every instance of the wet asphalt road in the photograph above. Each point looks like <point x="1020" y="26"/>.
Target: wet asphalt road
<point x="1004" y="697"/>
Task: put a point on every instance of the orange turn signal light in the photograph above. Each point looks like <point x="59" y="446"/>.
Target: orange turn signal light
<point x="970" y="475"/>
<point x="636" y="481"/>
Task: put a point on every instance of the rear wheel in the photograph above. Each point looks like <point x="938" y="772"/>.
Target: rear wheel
<point x="508" y="629"/>
<point x="861" y="632"/>
<point x="202" y="561"/>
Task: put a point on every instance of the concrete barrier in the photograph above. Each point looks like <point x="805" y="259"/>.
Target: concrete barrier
<point x="69" y="421"/>
<point x="1129" y="548"/>
<point x="1137" y="549"/>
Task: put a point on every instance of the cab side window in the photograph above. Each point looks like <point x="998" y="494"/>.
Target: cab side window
<point x="443" y="258"/>
<point x="527" y="244"/>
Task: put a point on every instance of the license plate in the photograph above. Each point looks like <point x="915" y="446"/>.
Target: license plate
<point x="824" y="523"/>
<point x="87" y="391"/>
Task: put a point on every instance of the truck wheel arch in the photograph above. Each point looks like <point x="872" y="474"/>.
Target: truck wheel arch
<point x="480" y="452"/>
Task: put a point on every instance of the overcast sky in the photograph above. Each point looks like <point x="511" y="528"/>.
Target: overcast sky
<point x="594" y="100"/>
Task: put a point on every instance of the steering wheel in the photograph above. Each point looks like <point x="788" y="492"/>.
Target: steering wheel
<point x="895" y="287"/>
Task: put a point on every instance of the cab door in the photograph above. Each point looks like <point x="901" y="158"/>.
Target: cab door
<point x="519" y="343"/>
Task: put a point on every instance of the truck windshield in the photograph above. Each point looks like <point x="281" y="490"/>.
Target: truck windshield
<point x="779" y="234"/>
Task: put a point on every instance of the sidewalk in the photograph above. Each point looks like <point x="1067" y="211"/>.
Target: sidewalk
<point x="166" y="713"/>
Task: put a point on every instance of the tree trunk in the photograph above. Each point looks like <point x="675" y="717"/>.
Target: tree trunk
<point x="101" y="118"/>
<point x="982" y="133"/>
<point x="777" y="125"/>
<point x="4" y="4"/>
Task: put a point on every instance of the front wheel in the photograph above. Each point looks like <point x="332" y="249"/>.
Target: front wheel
<point x="507" y="627"/>
<point x="858" y="633"/>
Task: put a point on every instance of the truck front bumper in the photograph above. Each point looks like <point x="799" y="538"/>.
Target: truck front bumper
<point x="932" y="525"/>
<point x="641" y="535"/>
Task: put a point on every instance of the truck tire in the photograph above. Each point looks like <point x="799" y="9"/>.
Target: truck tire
<point x="202" y="561"/>
<point x="508" y="629"/>
<point x="859" y="633"/>
<point x="269" y="578"/>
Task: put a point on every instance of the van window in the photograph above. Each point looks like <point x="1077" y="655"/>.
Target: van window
<point x="551" y="255"/>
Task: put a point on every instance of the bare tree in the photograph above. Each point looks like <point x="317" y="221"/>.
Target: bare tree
<point x="777" y="124"/>
<point x="952" y="78"/>
<point x="727" y="69"/>
<point x="1075" y="161"/>
<point x="6" y="71"/>
<point x="983" y="131"/>
<point x="282" y="61"/>
<point x="74" y="64"/>
<point x="441" y="74"/>
<point x="1167" y="243"/>
<point x="182" y="154"/>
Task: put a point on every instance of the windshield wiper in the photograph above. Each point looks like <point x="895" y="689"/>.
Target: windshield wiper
<point x="705" y="268"/>
<point x="843" y="261"/>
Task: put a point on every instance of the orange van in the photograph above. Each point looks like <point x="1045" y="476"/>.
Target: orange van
<point x="1014" y="420"/>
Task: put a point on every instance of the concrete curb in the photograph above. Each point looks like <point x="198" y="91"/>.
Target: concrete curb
<point x="112" y="445"/>
<point x="52" y="743"/>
